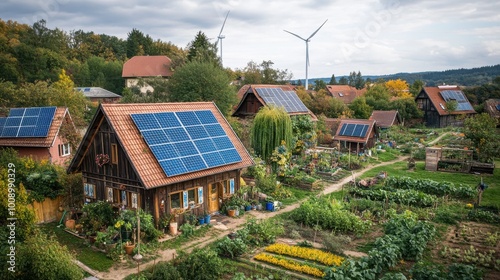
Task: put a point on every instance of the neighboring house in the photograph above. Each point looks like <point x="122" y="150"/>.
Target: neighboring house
<point x="252" y="97"/>
<point x="492" y="107"/>
<point x="386" y="119"/>
<point x="345" y="93"/>
<point x="356" y="134"/>
<point x="99" y="95"/>
<point x="161" y="157"/>
<point x="143" y="67"/>
<point x="38" y="132"/>
<point x="432" y="101"/>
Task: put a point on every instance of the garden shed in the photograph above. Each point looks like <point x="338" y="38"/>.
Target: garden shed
<point x="163" y="158"/>
<point x="356" y="135"/>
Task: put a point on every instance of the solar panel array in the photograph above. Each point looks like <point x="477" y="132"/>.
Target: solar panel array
<point x="187" y="141"/>
<point x="287" y="99"/>
<point x="27" y="122"/>
<point x="457" y="95"/>
<point x="354" y="130"/>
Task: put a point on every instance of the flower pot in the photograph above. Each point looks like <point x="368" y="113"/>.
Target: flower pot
<point x="248" y="207"/>
<point x="254" y="207"/>
<point x="173" y="228"/>
<point x="231" y="212"/>
<point x="207" y="219"/>
<point x="237" y="212"/>
<point x="259" y="207"/>
<point x="129" y="248"/>
<point x="201" y="221"/>
<point x="270" y="206"/>
<point x="70" y="224"/>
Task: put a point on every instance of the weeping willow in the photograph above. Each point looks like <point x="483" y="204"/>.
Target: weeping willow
<point x="270" y="126"/>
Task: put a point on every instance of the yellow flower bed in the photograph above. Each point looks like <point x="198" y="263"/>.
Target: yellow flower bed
<point x="305" y="253"/>
<point x="290" y="265"/>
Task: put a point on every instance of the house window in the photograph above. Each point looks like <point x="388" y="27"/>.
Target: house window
<point x="109" y="195"/>
<point x="114" y="154"/>
<point x="64" y="149"/>
<point x="187" y="199"/>
<point x="134" y="200"/>
<point x="89" y="190"/>
<point x="228" y="186"/>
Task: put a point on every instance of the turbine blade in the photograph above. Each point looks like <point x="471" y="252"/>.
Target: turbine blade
<point x="295" y="35"/>
<point x="317" y="30"/>
<point x="222" y="28"/>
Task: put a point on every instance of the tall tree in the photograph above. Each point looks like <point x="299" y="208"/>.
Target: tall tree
<point x="416" y="87"/>
<point x="359" y="82"/>
<point x="319" y="85"/>
<point x="202" y="81"/>
<point x="271" y="127"/>
<point x="138" y="43"/>
<point x="479" y="129"/>
<point x="360" y="108"/>
<point x="200" y="49"/>
<point x="264" y="73"/>
<point x="333" y="80"/>
<point x="343" y="81"/>
<point x="378" y="97"/>
<point x="398" y="88"/>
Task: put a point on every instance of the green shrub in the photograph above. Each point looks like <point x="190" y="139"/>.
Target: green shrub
<point x="200" y="264"/>
<point x="165" y="271"/>
<point x="336" y="243"/>
<point x="483" y="216"/>
<point x="230" y="248"/>
<point x="421" y="271"/>
<point x="41" y="257"/>
<point x="458" y="271"/>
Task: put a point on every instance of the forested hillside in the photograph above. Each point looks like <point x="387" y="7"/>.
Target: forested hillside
<point x="34" y="53"/>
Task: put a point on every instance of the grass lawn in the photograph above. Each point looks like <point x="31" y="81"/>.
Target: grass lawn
<point x="491" y="196"/>
<point x="93" y="259"/>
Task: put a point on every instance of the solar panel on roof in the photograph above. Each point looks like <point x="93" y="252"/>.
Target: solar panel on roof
<point x="187" y="141"/>
<point x="286" y="99"/>
<point x="27" y="122"/>
<point x="354" y="130"/>
<point x="459" y="97"/>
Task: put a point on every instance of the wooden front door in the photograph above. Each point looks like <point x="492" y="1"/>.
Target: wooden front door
<point x="213" y="197"/>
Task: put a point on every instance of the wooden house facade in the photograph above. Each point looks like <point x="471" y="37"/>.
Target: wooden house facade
<point x="253" y="97"/>
<point x="433" y="102"/>
<point x="51" y="146"/>
<point x="356" y="135"/>
<point x="121" y="165"/>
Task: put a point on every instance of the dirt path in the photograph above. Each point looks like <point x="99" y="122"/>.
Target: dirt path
<point x="224" y="225"/>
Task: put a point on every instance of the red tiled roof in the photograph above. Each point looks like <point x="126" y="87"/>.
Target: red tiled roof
<point x="39" y="141"/>
<point x="147" y="66"/>
<point x="345" y="93"/>
<point x="370" y="123"/>
<point x="435" y="97"/>
<point x="385" y="118"/>
<point x="138" y="152"/>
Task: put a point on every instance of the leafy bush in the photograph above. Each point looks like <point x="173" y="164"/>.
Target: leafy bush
<point x="230" y="248"/>
<point x="260" y="232"/>
<point x="200" y="264"/>
<point x="458" y="271"/>
<point x="329" y="215"/>
<point x="165" y="271"/>
<point x="421" y="271"/>
<point x="336" y="243"/>
<point x="483" y="216"/>
<point x="41" y="257"/>
<point x="97" y="216"/>
<point x="394" y="276"/>
<point x="400" y="196"/>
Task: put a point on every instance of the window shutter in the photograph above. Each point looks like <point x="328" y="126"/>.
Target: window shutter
<point x="60" y="149"/>
<point x="185" y="199"/>
<point x="200" y="195"/>
<point x="231" y="186"/>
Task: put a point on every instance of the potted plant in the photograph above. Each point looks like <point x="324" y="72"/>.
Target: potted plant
<point x="248" y="206"/>
<point x="201" y="220"/>
<point x="231" y="211"/>
<point x="129" y="247"/>
<point x="270" y="203"/>
<point x="207" y="217"/>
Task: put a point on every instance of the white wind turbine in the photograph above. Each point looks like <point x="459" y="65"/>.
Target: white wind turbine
<point x="307" y="48"/>
<point x="220" y="37"/>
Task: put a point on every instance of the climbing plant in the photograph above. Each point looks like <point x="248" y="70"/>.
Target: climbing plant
<point x="271" y="126"/>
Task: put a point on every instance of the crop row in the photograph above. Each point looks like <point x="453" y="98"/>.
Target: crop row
<point x="290" y="264"/>
<point x="407" y="197"/>
<point x="431" y="187"/>
<point x="311" y="254"/>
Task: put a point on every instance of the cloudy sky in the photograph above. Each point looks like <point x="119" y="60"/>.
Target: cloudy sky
<point x="373" y="36"/>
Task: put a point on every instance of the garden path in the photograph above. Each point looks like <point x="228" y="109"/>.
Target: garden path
<point x="225" y="225"/>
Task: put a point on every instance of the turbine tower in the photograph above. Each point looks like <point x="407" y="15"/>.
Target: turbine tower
<point x="220" y="37"/>
<point x="307" y="48"/>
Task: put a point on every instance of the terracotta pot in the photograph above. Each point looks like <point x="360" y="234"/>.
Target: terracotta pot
<point x="129" y="248"/>
<point x="231" y="212"/>
<point x="173" y="228"/>
<point x="70" y="224"/>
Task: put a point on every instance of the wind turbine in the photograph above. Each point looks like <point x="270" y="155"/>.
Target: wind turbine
<point x="307" y="47"/>
<point x="220" y="37"/>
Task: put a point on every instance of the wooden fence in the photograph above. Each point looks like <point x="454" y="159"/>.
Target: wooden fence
<point x="48" y="210"/>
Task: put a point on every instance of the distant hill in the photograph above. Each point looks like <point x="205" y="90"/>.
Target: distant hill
<point x="463" y="77"/>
